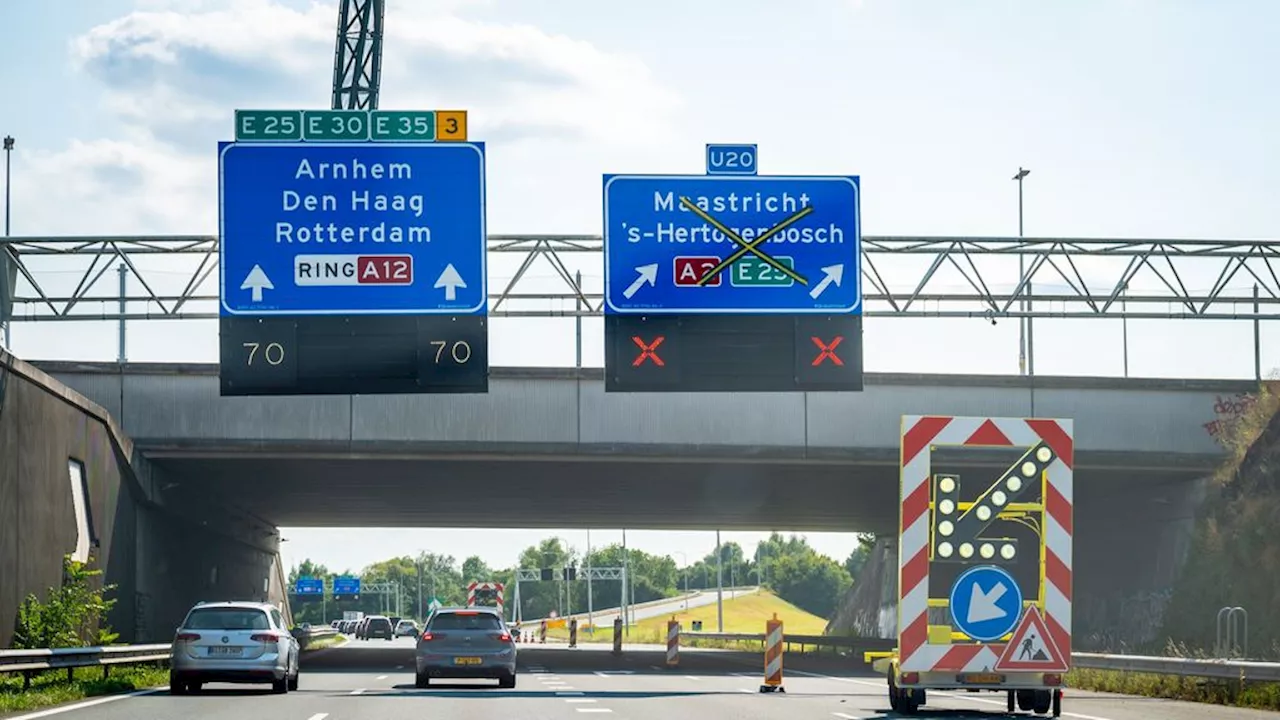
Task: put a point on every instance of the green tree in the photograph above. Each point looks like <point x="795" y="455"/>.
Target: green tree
<point x="853" y="564"/>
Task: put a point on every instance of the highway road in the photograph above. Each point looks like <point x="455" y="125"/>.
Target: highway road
<point x="373" y="680"/>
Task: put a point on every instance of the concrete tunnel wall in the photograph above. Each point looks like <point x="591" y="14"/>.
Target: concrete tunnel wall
<point x="162" y="556"/>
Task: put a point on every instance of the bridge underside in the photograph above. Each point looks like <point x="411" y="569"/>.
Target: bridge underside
<point x="345" y="490"/>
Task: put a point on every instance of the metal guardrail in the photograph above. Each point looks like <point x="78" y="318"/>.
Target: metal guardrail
<point x="30" y="662"/>
<point x="1187" y="667"/>
<point x="1252" y="670"/>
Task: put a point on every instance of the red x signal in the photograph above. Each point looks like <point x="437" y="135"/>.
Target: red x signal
<point x="828" y="351"/>
<point x="647" y="352"/>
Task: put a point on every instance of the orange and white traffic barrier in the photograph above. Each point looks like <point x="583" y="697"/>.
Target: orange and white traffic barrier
<point x="573" y="632"/>
<point x="772" y="656"/>
<point x="673" y="643"/>
<point x="542" y="633"/>
<point x="617" y="635"/>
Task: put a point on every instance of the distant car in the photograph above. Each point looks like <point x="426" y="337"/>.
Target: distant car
<point x="466" y="643"/>
<point x="378" y="626"/>
<point x="406" y="628"/>
<point x="236" y="642"/>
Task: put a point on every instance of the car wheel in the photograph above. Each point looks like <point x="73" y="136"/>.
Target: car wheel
<point x="281" y="686"/>
<point x="507" y="682"/>
<point x="176" y="686"/>
<point x="294" y="678"/>
<point x="421" y="680"/>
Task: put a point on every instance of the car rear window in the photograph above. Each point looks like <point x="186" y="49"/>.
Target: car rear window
<point x="227" y="619"/>
<point x="459" y="621"/>
<point x="380" y="622"/>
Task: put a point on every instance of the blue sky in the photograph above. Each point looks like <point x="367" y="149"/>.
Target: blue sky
<point x="1137" y="118"/>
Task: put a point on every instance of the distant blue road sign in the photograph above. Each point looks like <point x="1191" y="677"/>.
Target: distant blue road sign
<point x="732" y="160"/>
<point x="346" y="586"/>
<point x="348" y="229"/>
<point x="720" y="244"/>
<point x="309" y="586"/>
<point x="986" y="603"/>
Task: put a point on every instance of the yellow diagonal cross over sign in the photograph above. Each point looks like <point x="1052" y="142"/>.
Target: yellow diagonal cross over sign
<point x="748" y="247"/>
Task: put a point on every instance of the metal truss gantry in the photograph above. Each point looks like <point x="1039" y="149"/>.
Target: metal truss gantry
<point x="175" y="277"/>
<point x="357" y="61"/>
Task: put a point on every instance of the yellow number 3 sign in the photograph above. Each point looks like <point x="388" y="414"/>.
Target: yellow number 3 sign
<point x="451" y="125"/>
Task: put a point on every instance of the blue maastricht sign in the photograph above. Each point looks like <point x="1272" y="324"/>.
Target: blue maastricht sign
<point x="346" y="585"/>
<point x="358" y="228"/>
<point x="309" y="586"/>
<point x="986" y="603"/>
<point x="664" y="233"/>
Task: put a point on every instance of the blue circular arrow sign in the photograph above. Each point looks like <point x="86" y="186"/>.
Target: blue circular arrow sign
<point x="986" y="603"/>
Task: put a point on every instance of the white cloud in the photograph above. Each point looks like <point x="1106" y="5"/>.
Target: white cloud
<point x="174" y="71"/>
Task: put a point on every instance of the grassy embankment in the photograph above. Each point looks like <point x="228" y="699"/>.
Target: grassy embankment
<point x="743" y="614"/>
<point x="1234" y="560"/>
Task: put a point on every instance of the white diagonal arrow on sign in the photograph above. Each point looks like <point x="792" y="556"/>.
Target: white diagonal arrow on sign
<point x="648" y="276"/>
<point x="982" y="604"/>
<point x="834" y="274"/>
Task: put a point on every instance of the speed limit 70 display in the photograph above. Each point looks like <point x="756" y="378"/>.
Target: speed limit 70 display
<point x="353" y="355"/>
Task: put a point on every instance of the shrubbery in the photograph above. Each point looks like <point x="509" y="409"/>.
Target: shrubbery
<point x="72" y="616"/>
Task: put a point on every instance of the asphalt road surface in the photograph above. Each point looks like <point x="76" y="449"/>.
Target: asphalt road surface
<point x="373" y="680"/>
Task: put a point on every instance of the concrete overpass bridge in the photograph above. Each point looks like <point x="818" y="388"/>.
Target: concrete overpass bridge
<point x="549" y="448"/>
<point x="184" y="490"/>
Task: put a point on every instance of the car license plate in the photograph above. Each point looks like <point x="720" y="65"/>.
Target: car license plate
<point x="982" y="678"/>
<point x="466" y="661"/>
<point x="221" y="650"/>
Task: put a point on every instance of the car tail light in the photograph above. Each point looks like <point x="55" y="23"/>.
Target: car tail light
<point x="504" y="636"/>
<point x="467" y="612"/>
<point x="187" y="637"/>
<point x="1052" y="680"/>
<point x="910" y="678"/>
<point x="426" y="637"/>
<point x="265" y="637"/>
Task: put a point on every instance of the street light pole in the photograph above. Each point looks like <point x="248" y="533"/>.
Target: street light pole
<point x="719" y="585"/>
<point x="1023" y="322"/>
<point x="8" y="153"/>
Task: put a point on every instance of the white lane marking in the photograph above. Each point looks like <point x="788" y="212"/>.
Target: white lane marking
<point x="580" y="700"/>
<point x="88" y="704"/>
<point x="846" y="716"/>
<point x="593" y="710"/>
<point x="959" y="696"/>
<point x="381" y="677"/>
<point x="318" y="716"/>
<point x="690" y="677"/>
<point x="357" y="692"/>
<point x="399" y="667"/>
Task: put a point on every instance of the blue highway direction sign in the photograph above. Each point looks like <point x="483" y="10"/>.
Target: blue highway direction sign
<point x="309" y="586"/>
<point x="352" y="228"/>
<point x="671" y="243"/>
<point x="986" y="603"/>
<point x="346" y="586"/>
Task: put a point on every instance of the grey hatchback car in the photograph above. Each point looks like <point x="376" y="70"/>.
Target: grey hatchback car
<point x="237" y="642"/>
<point x="466" y="643"/>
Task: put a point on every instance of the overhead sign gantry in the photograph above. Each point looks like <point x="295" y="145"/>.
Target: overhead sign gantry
<point x="732" y="281"/>
<point x="352" y="254"/>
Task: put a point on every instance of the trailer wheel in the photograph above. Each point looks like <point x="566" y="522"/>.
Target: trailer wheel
<point x="1043" y="701"/>
<point x="1011" y="702"/>
<point x="1057" y="703"/>
<point x="894" y="697"/>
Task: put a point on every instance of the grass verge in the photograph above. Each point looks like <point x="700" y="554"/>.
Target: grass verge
<point x="52" y="688"/>
<point x="1262" y="696"/>
<point x="326" y="642"/>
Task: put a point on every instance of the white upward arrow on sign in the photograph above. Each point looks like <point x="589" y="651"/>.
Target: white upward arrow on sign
<point x="450" y="280"/>
<point x="257" y="281"/>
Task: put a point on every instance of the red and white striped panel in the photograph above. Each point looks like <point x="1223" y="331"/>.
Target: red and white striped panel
<point x="919" y="434"/>
<point x="475" y="586"/>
